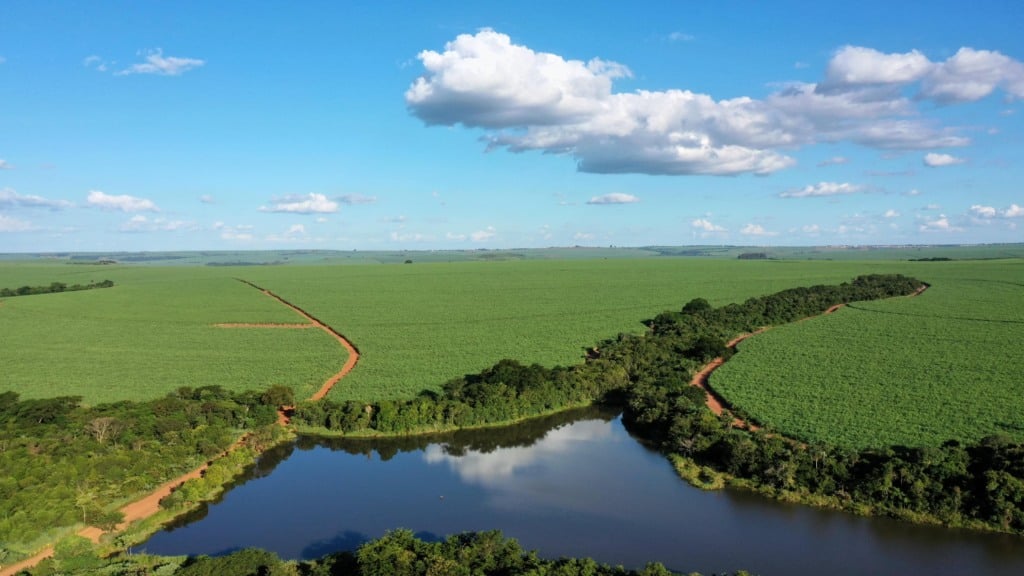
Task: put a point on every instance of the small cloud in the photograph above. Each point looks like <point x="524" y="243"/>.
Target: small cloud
<point x="890" y="213"/>
<point x="983" y="211"/>
<point x="157" y="63"/>
<point x="614" y="198"/>
<point x="241" y="233"/>
<point x="8" y="224"/>
<point x="706" y="226"/>
<point x="801" y="65"/>
<point x="680" y="37"/>
<point x="415" y="237"/>
<point x="207" y="199"/>
<point x="583" y="236"/>
<point x="932" y="207"/>
<point x="990" y="212"/>
<point x="123" y="202"/>
<point x="354" y="199"/>
<point x="456" y="237"/>
<point x="484" y="235"/>
<point x="11" y="199"/>
<point x="296" y="230"/>
<point x="321" y="220"/>
<point x="95" y="62"/>
<point x="934" y="160"/>
<point x="140" y="223"/>
<point x="302" y="204"/>
<point x="834" y="161"/>
<point x="812" y="229"/>
<point x="912" y="192"/>
<point x="756" y="230"/>
<point x="939" y="224"/>
<point x="401" y="219"/>
<point x="5" y="165"/>
<point x="821" y="189"/>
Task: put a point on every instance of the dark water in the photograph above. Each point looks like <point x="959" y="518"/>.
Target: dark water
<point x="577" y="485"/>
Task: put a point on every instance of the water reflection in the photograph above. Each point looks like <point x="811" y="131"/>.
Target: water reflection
<point x="563" y="487"/>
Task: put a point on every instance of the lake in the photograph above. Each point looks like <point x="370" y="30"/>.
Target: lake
<point x="572" y="485"/>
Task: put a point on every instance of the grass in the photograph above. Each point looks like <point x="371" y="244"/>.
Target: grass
<point x="911" y="371"/>
<point x="150" y="334"/>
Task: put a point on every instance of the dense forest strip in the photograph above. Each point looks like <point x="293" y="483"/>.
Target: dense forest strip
<point x="52" y="288"/>
<point x="353" y="352"/>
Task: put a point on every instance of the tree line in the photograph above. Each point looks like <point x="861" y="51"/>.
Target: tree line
<point x="51" y="288"/>
<point x="398" y="553"/>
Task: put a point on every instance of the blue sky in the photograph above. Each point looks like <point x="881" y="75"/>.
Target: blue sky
<point x="453" y="125"/>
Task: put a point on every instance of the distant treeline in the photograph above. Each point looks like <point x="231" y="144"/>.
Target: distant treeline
<point x="51" y="288"/>
<point x="397" y="553"/>
<point x="934" y="259"/>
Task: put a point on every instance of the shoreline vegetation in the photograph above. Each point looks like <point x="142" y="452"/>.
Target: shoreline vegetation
<point x="977" y="486"/>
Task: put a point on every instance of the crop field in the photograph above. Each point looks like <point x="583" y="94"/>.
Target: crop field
<point x="150" y="334"/>
<point x="417" y="326"/>
<point x="911" y="371"/>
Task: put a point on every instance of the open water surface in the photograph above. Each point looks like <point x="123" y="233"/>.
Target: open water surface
<point x="571" y="485"/>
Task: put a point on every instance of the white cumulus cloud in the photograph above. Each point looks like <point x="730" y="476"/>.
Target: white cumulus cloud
<point x="614" y="198"/>
<point x="483" y="235"/>
<point x="140" y="223"/>
<point x="531" y="100"/>
<point x="940" y="223"/>
<point x="705" y="225"/>
<point x="988" y="212"/>
<point x="122" y="202"/>
<point x="821" y="189"/>
<point x="890" y="213"/>
<point x="302" y="204"/>
<point x="934" y="160"/>
<point x="156" y="63"/>
<point x="756" y="230"/>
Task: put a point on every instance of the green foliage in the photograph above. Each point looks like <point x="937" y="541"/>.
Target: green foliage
<point x="53" y="287"/>
<point x="912" y="371"/>
<point x="65" y="464"/>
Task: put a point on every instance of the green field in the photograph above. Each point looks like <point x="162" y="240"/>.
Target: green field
<point x="417" y="326"/>
<point x="911" y="371"/>
<point x="150" y="334"/>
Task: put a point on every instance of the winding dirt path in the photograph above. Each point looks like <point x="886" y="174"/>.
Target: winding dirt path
<point x="150" y="504"/>
<point x="715" y="402"/>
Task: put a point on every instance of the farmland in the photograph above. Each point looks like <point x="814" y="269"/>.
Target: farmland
<point x="910" y="371"/>
<point x="417" y="326"/>
<point x="150" y="334"/>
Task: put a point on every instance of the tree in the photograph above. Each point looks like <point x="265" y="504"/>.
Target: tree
<point x="104" y="428"/>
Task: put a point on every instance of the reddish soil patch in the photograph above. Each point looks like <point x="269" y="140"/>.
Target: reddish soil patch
<point x="353" y="354"/>
<point x="27" y="562"/>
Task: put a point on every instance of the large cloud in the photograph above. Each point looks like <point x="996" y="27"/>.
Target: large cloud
<point x="528" y="100"/>
<point x="122" y="202"/>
